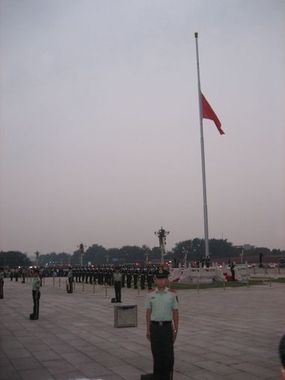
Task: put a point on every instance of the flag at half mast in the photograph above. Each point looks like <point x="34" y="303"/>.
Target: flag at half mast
<point x="209" y="113"/>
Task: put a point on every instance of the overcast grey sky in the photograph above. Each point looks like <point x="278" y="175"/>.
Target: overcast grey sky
<point x="100" y="139"/>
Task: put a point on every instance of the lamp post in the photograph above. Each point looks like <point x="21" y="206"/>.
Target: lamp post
<point x="81" y="250"/>
<point x="241" y="256"/>
<point x="184" y="250"/>
<point x="146" y="254"/>
<point x="162" y="241"/>
<point x="241" y="253"/>
<point x="37" y="253"/>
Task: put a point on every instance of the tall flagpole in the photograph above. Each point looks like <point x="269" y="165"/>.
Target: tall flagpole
<point x="206" y="233"/>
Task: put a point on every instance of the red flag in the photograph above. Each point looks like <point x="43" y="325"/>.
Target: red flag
<point x="208" y="113"/>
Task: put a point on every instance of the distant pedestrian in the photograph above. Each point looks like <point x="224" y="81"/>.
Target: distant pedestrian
<point x="282" y="355"/>
<point x="36" y="283"/>
<point x="162" y="325"/>
<point x="232" y="268"/>
<point x="2" y="276"/>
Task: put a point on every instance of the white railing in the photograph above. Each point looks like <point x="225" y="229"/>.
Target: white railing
<point x="243" y="273"/>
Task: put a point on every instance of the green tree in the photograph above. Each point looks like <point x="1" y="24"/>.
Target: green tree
<point x="221" y="248"/>
<point x="95" y="254"/>
<point x="14" y="259"/>
<point x="55" y="259"/>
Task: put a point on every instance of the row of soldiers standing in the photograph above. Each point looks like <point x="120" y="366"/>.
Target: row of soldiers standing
<point x="131" y="277"/>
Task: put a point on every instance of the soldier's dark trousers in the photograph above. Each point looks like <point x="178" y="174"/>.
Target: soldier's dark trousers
<point x="70" y="281"/>
<point x="129" y="282"/>
<point x="161" y="338"/>
<point x="36" y="302"/>
<point x="1" y="289"/>
<point x="118" y="288"/>
<point x="135" y="282"/>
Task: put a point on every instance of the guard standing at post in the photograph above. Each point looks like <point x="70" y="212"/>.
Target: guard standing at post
<point x="117" y="277"/>
<point x="36" y="295"/>
<point x="136" y="276"/>
<point x="142" y="279"/>
<point x="70" y="281"/>
<point x="129" y="279"/>
<point x="149" y="277"/>
<point x="2" y="275"/>
<point x="162" y="325"/>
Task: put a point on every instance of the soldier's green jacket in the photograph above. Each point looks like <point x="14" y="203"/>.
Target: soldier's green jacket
<point x="36" y="283"/>
<point x="161" y="304"/>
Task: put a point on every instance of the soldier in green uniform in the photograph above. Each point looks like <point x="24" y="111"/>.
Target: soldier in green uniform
<point x="281" y="350"/>
<point x="36" y="283"/>
<point x="162" y="325"/>
<point x="117" y="279"/>
<point x="129" y="279"/>
<point x="142" y="279"/>
<point x="70" y="281"/>
<point x="149" y="277"/>
<point x="136" y="277"/>
<point x="2" y="275"/>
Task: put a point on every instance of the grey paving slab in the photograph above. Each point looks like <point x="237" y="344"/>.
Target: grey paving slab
<point x="58" y="366"/>
<point x="223" y="334"/>
<point x="25" y="363"/>
<point x="36" y="374"/>
<point x="18" y="353"/>
<point x="8" y="372"/>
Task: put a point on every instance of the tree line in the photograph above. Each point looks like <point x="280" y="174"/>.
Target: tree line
<point x="192" y="250"/>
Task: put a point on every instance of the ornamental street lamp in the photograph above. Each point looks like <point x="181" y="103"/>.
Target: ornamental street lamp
<point x="184" y="250"/>
<point x="37" y="253"/>
<point x="81" y="250"/>
<point x="146" y="253"/>
<point x="241" y="253"/>
<point x="162" y="241"/>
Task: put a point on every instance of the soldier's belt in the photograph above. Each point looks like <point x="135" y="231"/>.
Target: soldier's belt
<point x="161" y="323"/>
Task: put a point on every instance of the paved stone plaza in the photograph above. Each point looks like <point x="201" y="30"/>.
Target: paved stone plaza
<point x="230" y="334"/>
